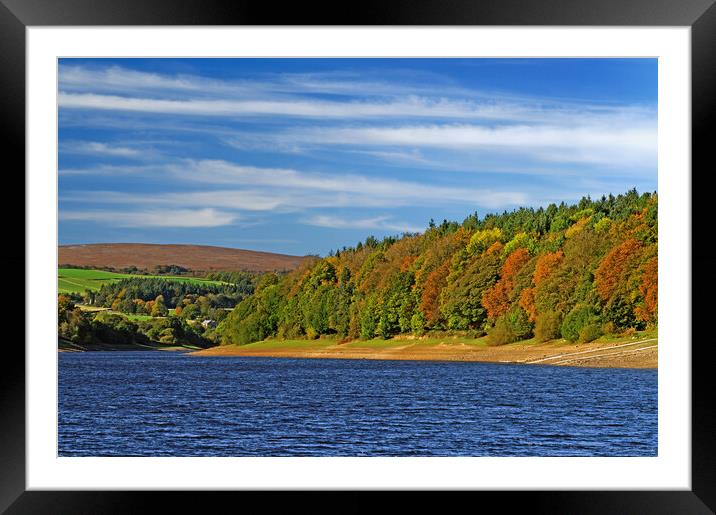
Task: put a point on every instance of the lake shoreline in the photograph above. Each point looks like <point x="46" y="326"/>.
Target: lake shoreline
<point x="639" y="353"/>
<point x="65" y="346"/>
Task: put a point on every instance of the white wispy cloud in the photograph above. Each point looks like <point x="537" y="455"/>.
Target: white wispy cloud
<point x="368" y="187"/>
<point x="238" y="200"/>
<point x="397" y="83"/>
<point x="98" y="149"/>
<point x="361" y="189"/>
<point x="118" y="79"/>
<point x="412" y="156"/>
<point x="376" y="222"/>
<point x="252" y="188"/>
<point x="452" y="118"/>
<point x="186" y="218"/>
<point x="608" y="144"/>
<point x="347" y="121"/>
<point x="112" y="170"/>
<point x="404" y="107"/>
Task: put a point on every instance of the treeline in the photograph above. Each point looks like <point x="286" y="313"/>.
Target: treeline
<point x="572" y="271"/>
<point x="156" y="296"/>
<point x="244" y="281"/>
<point x="87" y="328"/>
<point x="236" y="277"/>
<point x="132" y="269"/>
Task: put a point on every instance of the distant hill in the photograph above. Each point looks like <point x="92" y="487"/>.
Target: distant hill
<point x="194" y="257"/>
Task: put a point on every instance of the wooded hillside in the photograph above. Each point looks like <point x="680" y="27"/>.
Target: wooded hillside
<point x="571" y="271"/>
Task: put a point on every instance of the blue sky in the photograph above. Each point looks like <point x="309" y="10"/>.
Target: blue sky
<point x="302" y="156"/>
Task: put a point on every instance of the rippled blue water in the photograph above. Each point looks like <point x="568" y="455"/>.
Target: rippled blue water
<point x="171" y="404"/>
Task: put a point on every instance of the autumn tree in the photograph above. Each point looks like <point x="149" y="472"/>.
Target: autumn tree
<point x="616" y="282"/>
<point x="159" y="309"/>
<point x="430" y="298"/>
<point x="546" y="264"/>
<point x="648" y="287"/>
<point x="482" y="240"/>
<point x="496" y="299"/>
<point x="461" y="299"/>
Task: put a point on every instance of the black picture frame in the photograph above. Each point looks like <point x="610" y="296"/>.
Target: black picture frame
<point x="700" y="15"/>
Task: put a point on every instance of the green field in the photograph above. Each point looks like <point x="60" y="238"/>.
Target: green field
<point x="77" y="280"/>
<point x="131" y="316"/>
<point x="135" y="317"/>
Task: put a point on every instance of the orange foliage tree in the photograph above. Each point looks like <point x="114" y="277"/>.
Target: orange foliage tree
<point x="514" y="263"/>
<point x="430" y="298"/>
<point x="546" y="264"/>
<point x="612" y="272"/>
<point x="649" y="290"/>
<point x="407" y="262"/>
<point x="494" y="248"/>
<point x="496" y="300"/>
<point x="527" y="302"/>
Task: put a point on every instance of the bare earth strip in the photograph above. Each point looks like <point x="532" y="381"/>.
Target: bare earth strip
<point x="622" y="354"/>
<point x="611" y="355"/>
<point x="593" y="350"/>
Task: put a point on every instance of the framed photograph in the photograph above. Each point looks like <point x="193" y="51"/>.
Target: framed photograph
<point x="418" y="249"/>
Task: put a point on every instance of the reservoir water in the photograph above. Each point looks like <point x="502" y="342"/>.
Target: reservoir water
<point x="172" y="404"/>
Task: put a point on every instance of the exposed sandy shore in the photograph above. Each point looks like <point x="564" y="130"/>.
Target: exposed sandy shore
<point x="640" y="352"/>
<point x="65" y="346"/>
